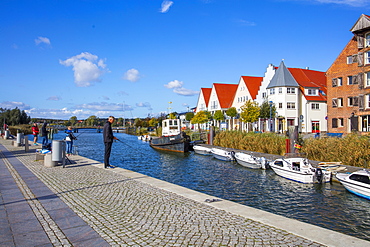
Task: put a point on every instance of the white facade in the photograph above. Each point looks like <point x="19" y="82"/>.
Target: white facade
<point x="201" y="104"/>
<point x="242" y="95"/>
<point x="262" y="92"/>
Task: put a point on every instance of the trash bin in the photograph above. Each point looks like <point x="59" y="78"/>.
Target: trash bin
<point x="6" y="134"/>
<point x="57" y="150"/>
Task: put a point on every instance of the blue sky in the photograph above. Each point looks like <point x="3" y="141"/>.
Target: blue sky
<point x="64" y="58"/>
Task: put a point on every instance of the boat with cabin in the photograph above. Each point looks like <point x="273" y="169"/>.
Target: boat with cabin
<point x="357" y="182"/>
<point x="300" y="170"/>
<point x="172" y="139"/>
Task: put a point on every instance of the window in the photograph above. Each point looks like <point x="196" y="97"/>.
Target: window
<point x="349" y="80"/>
<point x="349" y="60"/>
<point x="280" y="105"/>
<point x="340" y="102"/>
<point x="311" y="92"/>
<point x="367" y="57"/>
<point x="334" y="82"/>
<point x="368" y="101"/>
<point x="290" y="90"/>
<point x="340" y="81"/>
<point x="367" y="79"/>
<point x="315" y="106"/>
<point x="280" y="90"/>
<point x="341" y="122"/>
<point x="264" y="95"/>
<point x="353" y="101"/>
<point x="272" y="91"/>
<point x="367" y="40"/>
<point x="290" y="105"/>
<point x="334" y="123"/>
<point x="334" y="103"/>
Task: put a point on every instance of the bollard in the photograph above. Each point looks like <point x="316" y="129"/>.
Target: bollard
<point x="19" y="140"/>
<point x="26" y="145"/>
<point x="48" y="161"/>
<point x="57" y="150"/>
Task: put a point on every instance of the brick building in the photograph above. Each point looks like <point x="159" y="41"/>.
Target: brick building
<point x="348" y="83"/>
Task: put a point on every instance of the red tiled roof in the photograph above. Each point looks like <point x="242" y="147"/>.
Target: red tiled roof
<point x="253" y="84"/>
<point x="206" y="94"/>
<point x="310" y="78"/>
<point x="225" y="94"/>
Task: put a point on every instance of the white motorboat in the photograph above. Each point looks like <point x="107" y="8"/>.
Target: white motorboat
<point x="223" y="154"/>
<point x="357" y="182"/>
<point x="250" y="161"/>
<point x="300" y="170"/>
<point x="202" y="150"/>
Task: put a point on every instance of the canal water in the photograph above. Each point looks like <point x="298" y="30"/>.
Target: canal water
<point x="327" y="205"/>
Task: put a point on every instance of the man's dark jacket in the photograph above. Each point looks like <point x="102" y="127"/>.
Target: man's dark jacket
<point x="107" y="132"/>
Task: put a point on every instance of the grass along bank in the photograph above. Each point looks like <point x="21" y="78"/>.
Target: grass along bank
<point x="353" y="149"/>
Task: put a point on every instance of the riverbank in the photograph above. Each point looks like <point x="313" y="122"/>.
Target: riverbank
<point x="84" y="204"/>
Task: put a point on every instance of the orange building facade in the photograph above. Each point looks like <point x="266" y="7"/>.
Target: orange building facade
<point x="348" y="83"/>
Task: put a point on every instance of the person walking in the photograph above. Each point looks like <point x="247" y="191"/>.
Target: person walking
<point x="44" y="134"/>
<point x="108" y="141"/>
<point x="35" y="133"/>
<point x="69" y="140"/>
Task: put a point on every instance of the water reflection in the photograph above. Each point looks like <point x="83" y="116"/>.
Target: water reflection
<point x="326" y="205"/>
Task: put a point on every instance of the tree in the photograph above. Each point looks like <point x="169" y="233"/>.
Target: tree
<point x="200" y="118"/>
<point x="218" y="116"/>
<point x="73" y="120"/>
<point x="172" y="115"/>
<point x="189" y="116"/>
<point x="265" y="110"/>
<point x="232" y="112"/>
<point x="250" y="112"/>
<point x="153" y="122"/>
<point x="92" y="121"/>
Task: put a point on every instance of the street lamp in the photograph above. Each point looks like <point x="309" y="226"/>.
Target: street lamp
<point x="270" y="103"/>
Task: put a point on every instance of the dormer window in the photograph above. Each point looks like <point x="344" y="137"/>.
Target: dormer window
<point x="311" y="92"/>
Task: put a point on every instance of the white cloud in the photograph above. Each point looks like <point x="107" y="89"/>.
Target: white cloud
<point x="185" y="92"/>
<point x="14" y="104"/>
<point x="166" y="6"/>
<point x="88" y="68"/>
<point x="55" y="98"/>
<point x="102" y="106"/>
<point x="132" y="75"/>
<point x="174" y="84"/>
<point x="178" y="89"/>
<point x="42" y="40"/>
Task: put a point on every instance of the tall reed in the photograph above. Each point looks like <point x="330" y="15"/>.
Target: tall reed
<point x="353" y="149"/>
<point x="257" y="142"/>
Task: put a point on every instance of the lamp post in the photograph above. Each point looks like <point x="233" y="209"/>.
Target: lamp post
<point x="270" y="103"/>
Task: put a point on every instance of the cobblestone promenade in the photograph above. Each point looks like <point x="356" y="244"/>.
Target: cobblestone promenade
<point x="85" y="205"/>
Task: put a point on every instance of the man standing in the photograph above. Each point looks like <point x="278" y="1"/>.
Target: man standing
<point x="108" y="140"/>
<point x="44" y="133"/>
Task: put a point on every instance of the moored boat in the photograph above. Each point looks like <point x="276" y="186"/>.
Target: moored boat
<point x="172" y="138"/>
<point x="223" y="154"/>
<point x="250" y="161"/>
<point x="357" y="182"/>
<point x="199" y="149"/>
<point x="300" y="170"/>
